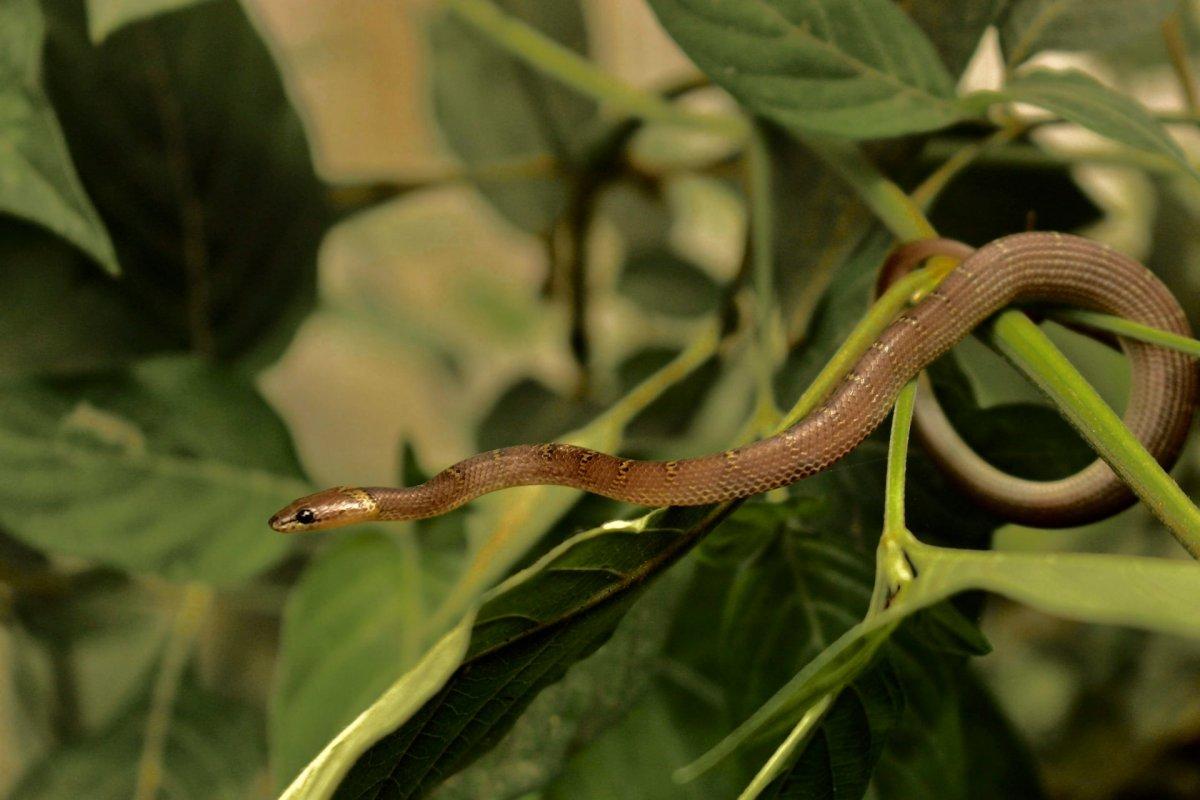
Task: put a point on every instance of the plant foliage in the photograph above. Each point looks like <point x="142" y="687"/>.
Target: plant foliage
<point x="652" y="267"/>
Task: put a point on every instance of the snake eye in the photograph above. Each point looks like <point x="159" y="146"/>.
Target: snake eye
<point x="306" y="516"/>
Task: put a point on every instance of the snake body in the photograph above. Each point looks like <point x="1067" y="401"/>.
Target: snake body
<point x="1025" y="267"/>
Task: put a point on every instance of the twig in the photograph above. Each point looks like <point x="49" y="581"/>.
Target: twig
<point x="193" y="608"/>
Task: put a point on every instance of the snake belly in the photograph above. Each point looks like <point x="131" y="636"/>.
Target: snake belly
<point x="1024" y="267"/>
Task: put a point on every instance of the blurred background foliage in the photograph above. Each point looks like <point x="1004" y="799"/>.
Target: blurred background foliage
<point x="356" y="242"/>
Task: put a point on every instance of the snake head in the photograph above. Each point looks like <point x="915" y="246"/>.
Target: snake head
<point x="332" y="508"/>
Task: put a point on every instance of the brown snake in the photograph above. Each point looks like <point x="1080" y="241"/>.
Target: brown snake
<point x="1025" y="267"/>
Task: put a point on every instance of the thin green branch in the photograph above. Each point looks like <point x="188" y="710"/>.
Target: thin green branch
<point x="892" y="569"/>
<point x="349" y="198"/>
<point x="1177" y="52"/>
<point x="702" y="348"/>
<point x="786" y="752"/>
<point x="1130" y="330"/>
<point x="960" y="159"/>
<point x="762" y="254"/>
<point x="881" y="314"/>
<point x="193" y="607"/>
<point x="896" y="210"/>
<point x="1028" y="155"/>
<point x="1018" y="338"/>
<point x="579" y="73"/>
<point x="893" y="509"/>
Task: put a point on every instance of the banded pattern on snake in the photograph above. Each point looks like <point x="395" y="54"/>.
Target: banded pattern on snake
<point x="1024" y="267"/>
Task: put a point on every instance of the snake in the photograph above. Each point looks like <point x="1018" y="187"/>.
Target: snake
<point x="1029" y="267"/>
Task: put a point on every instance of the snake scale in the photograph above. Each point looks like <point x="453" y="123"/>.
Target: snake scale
<point x="1024" y="267"/>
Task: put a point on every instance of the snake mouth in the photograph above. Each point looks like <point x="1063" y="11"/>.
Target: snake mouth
<point x="281" y="522"/>
<point x="285" y="521"/>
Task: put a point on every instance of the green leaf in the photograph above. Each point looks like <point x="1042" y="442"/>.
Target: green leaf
<point x="184" y="138"/>
<point x="322" y="776"/>
<point x="569" y="714"/>
<point x="106" y="16"/>
<point x="351" y="627"/>
<point x="1029" y="26"/>
<point x="1078" y="97"/>
<point x="664" y="283"/>
<point x="841" y="755"/>
<point x="113" y="630"/>
<point x="38" y="182"/>
<point x="635" y="758"/>
<point x="27" y="702"/>
<point x="524" y="638"/>
<point x="790" y="602"/>
<point x="493" y="108"/>
<point x="664" y="423"/>
<point x="46" y="283"/>
<point x="214" y="749"/>
<point x="854" y="68"/>
<point x="529" y="411"/>
<point x="955" y="29"/>
<point x="170" y="468"/>
<point x="1155" y="594"/>
<point x="953" y="743"/>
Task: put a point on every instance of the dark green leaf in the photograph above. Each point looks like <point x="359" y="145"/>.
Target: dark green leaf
<point x="524" y="639"/>
<point x="113" y="631"/>
<point x="662" y="282"/>
<point x="954" y="28"/>
<point x="214" y="750"/>
<point x="841" y="755"/>
<point x="946" y="629"/>
<point x="183" y="136"/>
<point x="988" y="200"/>
<point x="493" y="108"/>
<point x="853" y="68"/>
<point x="1024" y="439"/>
<point x="568" y="715"/>
<point x="530" y="412"/>
<point x="1078" y="97"/>
<point x="669" y="417"/>
<point x="1033" y="25"/>
<point x="952" y="743"/>
<point x="794" y="599"/>
<point x="37" y="179"/>
<point x="62" y="315"/>
<point x="106" y="16"/>
<point x="817" y="221"/>
<point x="171" y="468"/>
<point x="635" y="758"/>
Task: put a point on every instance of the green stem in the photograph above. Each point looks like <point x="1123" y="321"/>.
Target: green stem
<point x="193" y="609"/>
<point x="893" y="508"/>
<point x="572" y="69"/>
<point x="894" y="300"/>
<point x="1128" y="329"/>
<point x="892" y="569"/>
<point x="1177" y="52"/>
<point x="1017" y="337"/>
<point x="960" y="159"/>
<point x="762" y="253"/>
<point x="1029" y="155"/>
<point x="702" y="348"/>
<point x="896" y="210"/>
<point x="787" y="751"/>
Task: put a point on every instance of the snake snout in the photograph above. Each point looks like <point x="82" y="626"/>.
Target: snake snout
<point x="332" y="508"/>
